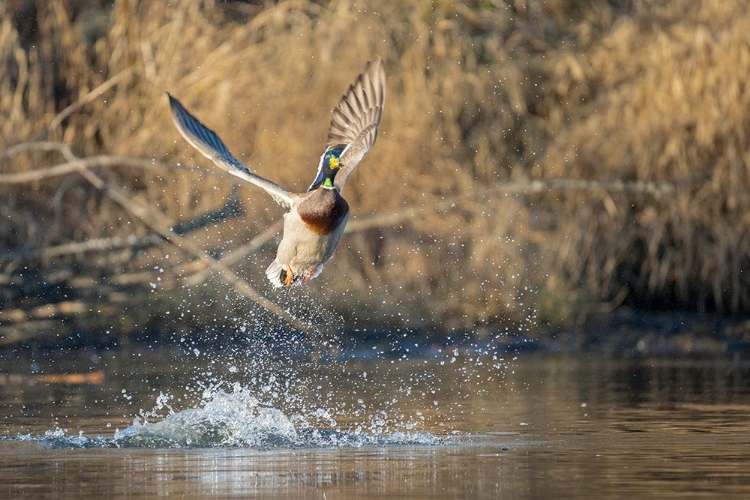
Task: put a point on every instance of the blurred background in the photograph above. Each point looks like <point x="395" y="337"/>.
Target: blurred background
<point x="541" y="165"/>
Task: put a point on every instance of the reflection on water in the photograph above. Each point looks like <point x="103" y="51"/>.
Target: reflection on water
<point x="439" y="425"/>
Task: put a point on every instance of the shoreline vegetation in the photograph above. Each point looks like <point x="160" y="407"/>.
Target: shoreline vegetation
<point x="552" y="171"/>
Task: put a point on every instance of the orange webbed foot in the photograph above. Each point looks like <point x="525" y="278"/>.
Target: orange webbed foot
<point x="288" y="275"/>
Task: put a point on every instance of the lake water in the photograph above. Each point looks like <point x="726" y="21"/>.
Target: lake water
<point x="421" y="422"/>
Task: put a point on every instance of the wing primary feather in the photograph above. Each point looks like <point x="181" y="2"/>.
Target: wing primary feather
<point x="210" y="145"/>
<point x="355" y="121"/>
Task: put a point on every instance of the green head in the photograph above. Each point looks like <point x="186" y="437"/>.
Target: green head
<point x="329" y="166"/>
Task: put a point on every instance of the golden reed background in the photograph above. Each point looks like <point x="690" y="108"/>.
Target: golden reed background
<point x="481" y="95"/>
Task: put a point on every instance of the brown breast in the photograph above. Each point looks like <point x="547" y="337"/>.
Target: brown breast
<point x="323" y="210"/>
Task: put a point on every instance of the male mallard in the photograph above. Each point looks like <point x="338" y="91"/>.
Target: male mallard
<point x="316" y="219"/>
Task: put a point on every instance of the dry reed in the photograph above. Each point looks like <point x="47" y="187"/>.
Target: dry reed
<point x="480" y="94"/>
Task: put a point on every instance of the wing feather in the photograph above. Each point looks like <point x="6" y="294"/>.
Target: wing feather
<point x="354" y="122"/>
<point x="208" y="143"/>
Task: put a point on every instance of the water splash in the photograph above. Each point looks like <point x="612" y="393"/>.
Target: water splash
<point x="262" y="394"/>
<point x="236" y="419"/>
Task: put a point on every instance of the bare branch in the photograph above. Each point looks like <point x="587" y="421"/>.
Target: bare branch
<point x="413" y="212"/>
<point x="91" y="96"/>
<point x="79" y="164"/>
<point x="157" y="221"/>
<point x="540" y="186"/>
<point x="240" y="253"/>
<point x="17" y="149"/>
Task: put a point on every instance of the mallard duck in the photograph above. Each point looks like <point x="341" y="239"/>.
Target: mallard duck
<point x="315" y="219"/>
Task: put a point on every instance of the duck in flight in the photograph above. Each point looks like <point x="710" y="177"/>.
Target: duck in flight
<point x="315" y="219"/>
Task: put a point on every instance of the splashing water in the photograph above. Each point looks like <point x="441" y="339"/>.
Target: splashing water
<point x="226" y="420"/>
<point x="262" y="394"/>
<point x="234" y="419"/>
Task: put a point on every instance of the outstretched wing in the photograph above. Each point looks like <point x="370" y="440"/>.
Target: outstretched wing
<point x="211" y="146"/>
<point x="354" y="124"/>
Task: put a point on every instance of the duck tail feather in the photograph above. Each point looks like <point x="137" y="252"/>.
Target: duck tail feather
<point x="276" y="274"/>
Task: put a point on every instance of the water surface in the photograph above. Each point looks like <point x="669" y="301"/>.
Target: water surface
<point x="442" y="424"/>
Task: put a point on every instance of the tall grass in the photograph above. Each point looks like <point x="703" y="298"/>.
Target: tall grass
<point x="479" y="94"/>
